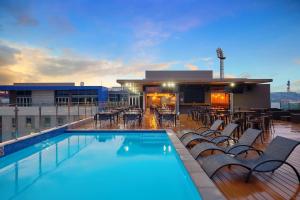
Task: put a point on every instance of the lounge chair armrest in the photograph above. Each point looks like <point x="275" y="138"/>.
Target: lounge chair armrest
<point x="217" y="132"/>
<point x="268" y="161"/>
<point x="225" y="138"/>
<point x="208" y="132"/>
<point x="250" y="148"/>
<point x="190" y="132"/>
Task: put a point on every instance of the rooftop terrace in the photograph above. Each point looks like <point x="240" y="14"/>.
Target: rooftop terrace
<point x="282" y="184"/>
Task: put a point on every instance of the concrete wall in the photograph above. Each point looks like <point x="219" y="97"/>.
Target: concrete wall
<point x="257" y="97"/>
<point x="179" y="75"/>
<point x="43" y="97"/>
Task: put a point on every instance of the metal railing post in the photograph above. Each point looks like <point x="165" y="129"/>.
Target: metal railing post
<point x="78" y="111"/>
<point x="16" y="122"/>
<point x="40" y="118"/>
<point x="69" y="116"/>
<point x="84" y="109"/>
<point x="56" y="114"/>
<point x="91" y="110"/>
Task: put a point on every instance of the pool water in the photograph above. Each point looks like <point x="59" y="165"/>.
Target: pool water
<point x="94" y="165"/>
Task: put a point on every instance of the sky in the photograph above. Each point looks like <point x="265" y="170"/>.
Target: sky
<point x="99" y="41"/>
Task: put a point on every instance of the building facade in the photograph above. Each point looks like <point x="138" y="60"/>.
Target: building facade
<point x="183" y="90"/>
<point x="36" y="106"/>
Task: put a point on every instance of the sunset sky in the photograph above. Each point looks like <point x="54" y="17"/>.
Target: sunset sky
<point x="99" y="41"/>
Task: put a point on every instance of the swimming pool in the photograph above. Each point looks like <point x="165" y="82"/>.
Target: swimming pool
<point x="97" y="165"/>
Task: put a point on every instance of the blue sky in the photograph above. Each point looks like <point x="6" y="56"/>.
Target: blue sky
<point x="100" y="41"/>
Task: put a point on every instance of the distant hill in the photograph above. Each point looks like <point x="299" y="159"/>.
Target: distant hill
<point x="277" y="96"/>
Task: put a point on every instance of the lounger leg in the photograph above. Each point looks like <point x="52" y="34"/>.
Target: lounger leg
<point x="295" y="170"/>
<point x="248" y="176"/>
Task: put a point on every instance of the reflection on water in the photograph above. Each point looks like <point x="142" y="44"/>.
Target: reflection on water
<point x="21" y="170"/>
<point x="145" y="144"/>
<point x="25" y="167"/>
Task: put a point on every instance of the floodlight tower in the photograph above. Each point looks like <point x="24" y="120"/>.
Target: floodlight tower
<point x="221" y="56"/>
<point x="288" y="89"/>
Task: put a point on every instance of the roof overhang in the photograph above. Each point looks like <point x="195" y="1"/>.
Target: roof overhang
<point x="225" y="81"/>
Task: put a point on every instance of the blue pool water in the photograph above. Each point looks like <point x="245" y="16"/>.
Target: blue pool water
<point x="108" y="166"/>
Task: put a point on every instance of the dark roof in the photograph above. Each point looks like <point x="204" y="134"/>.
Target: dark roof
<point x="48" y="87"/>
<point x="224" y="81"/>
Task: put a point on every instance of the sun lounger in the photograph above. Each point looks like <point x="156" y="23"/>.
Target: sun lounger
<point x="214" y="127"/>
<point x="275" y="155"/>
<point x="222" y="136"/>
<point x="243" y="145"/>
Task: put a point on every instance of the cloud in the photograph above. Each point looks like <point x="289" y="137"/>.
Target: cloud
<point x="26" y="20"/>
<point x="191" y="66"/>
<point x="185" y="24"/>
<point x="39" y="65"/>
<point x="9" y="76"/>
<point x="149" y="33"/>
<point x="297" y="61"/>
<point x="207" y="61"/>
<point x="7" y="55"/>
<point x="245" y="75"/>
<point x="295" y="86"/>
<point x="20" y="11"/>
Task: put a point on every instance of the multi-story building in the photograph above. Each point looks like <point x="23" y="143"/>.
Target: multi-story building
<point x="36" y="106"/>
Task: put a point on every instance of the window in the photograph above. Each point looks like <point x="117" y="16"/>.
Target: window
<point x="220" y="99"/>
<point x="62" y="100"/>
<point x="24" y="101"/>
<point x="47" y="122"/>
<point x="60" y="121"/>
<point x="29" y="122"/>
<point x="26" y="93"/>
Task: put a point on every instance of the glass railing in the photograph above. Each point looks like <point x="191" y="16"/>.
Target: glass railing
<point x="290" y="105"/>
<point x="17" y="120"/>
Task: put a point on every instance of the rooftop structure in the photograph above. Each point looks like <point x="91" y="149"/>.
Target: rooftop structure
<point x="182" y="89"/>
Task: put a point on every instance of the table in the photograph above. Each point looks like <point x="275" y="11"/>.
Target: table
<point x="132" y="115"/>
<point x="104" y="115"/>
<point x="165" y="114"/>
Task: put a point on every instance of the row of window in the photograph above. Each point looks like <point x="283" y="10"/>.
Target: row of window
<point x="24" y="101"/>
<point x="75" y="92"/>
<point x="76" y="100"/>
<point x="46" y="122"/>
<point x="27" y="101"/>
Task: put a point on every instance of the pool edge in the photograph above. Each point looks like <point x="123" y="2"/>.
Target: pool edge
<point x="205" y="186"/>
<point x="14" y="145"/>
